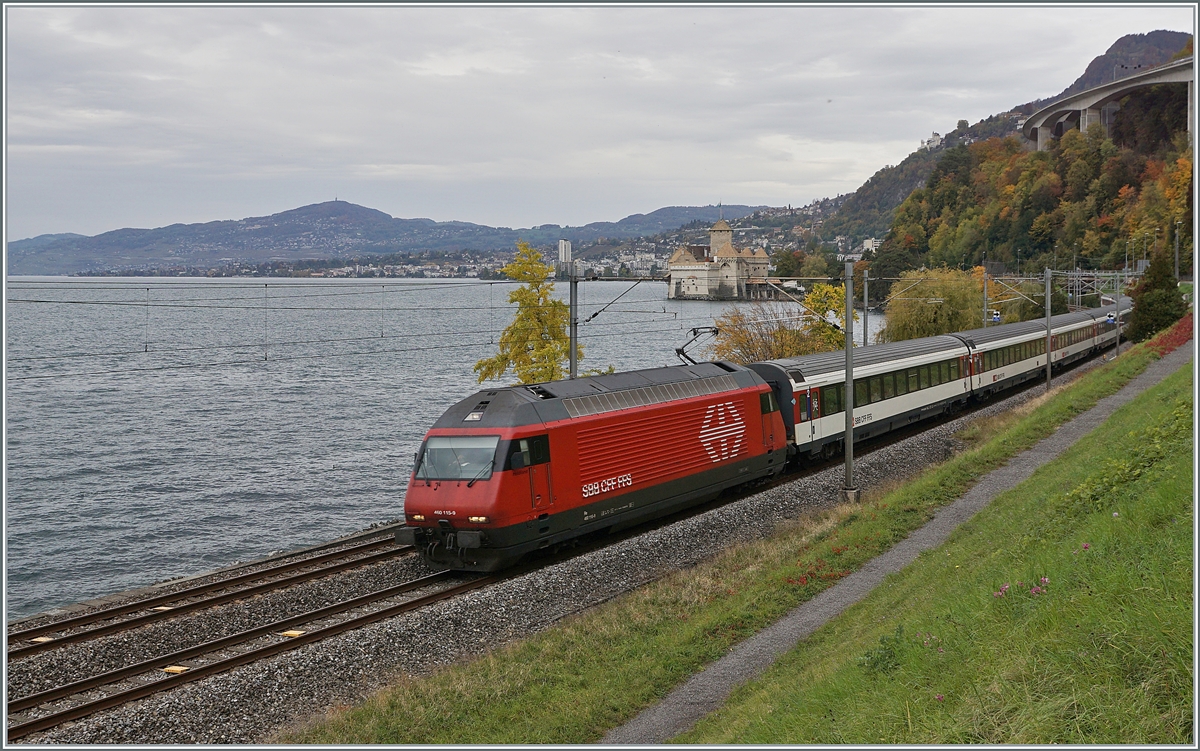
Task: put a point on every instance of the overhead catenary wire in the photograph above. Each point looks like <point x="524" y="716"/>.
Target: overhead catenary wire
<point x="288" y="358"/>
<point x="269" y="303"/>
<point x="338" y="340"/>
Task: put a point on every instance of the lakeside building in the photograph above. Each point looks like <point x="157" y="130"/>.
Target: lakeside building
<point x="719" y="271"/>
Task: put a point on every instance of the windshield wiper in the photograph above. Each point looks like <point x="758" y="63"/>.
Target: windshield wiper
<point x="475" y="479"/>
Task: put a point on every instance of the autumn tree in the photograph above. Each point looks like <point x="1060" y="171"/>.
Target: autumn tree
<point x="537" y="343"/>
<point x="775" y="330"/>
<point x="928" y="302"/>
<point x="1034" y="308"/>
<point x="1157" y="302"/>
<point x="787" y="262"/>
<point x="814" y="267"/>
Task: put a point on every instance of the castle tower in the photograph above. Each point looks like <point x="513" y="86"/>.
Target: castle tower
<point x="720" y="240"/>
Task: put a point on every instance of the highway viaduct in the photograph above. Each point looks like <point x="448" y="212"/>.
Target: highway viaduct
<point x="1082" y="109"/>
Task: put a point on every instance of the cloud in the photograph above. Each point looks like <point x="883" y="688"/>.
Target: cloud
<point x="510" y="116"/>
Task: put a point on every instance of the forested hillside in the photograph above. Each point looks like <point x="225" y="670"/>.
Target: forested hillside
<point x="1089" y="195"/>
<point x="870" y="210"/>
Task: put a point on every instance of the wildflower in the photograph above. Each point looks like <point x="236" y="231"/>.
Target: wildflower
<point x="1114" y="513"/>
<point x="1035" y="591"/>
<point x="939" y="697"/>
<point x="1045" y="580"/>
<point x="1086" y="545"/>
<point x="940" y="650"/>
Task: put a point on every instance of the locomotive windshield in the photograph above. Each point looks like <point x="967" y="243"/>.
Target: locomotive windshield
<point x="457" y="457"/>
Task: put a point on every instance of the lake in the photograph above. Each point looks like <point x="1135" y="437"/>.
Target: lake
<point x="159" y="428"/>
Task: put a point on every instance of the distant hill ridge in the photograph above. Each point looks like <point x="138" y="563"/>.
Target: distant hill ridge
<point x="320" y="230"/>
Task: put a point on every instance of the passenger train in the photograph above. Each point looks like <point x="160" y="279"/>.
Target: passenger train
<point x="515" y="469"/>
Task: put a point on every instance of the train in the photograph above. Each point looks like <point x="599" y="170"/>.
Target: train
<point x="516" y="469"/>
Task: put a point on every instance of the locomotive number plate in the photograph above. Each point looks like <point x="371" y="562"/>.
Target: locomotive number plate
<point x="605" y="486"/>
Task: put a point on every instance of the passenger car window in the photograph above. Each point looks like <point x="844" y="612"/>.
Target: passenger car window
<point x="832" y="396"/>
<point x="860" y="393"/>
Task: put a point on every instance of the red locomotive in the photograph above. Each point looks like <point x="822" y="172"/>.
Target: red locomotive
<point x="511" y="470"/>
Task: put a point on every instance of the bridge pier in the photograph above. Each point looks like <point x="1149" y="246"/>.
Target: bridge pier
<point x="1045" y="134"/>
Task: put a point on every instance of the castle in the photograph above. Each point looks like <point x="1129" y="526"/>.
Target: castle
<point x="719" y="271"/>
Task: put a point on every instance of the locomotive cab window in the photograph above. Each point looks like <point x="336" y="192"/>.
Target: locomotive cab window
<point x="533" y="450"/>
<point x="768" y="403"/>
<point x="457" y="457"/>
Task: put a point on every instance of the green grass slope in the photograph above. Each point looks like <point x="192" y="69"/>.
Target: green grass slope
<point x="1062" y="613"/>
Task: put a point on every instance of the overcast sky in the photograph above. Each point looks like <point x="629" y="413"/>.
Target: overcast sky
<point x="519" y="116"/>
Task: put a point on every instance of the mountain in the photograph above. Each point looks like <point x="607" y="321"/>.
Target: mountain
<point x="1082" y="203"/>
<point x="1126" y="56"/>
<point x="870" y="210"/>
<point x="322" y="230"/>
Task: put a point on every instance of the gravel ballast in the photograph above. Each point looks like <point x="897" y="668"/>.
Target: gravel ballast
<point x="252" y="703"/>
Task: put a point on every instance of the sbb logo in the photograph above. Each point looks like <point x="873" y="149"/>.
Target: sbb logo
<point x="722" y="432"/>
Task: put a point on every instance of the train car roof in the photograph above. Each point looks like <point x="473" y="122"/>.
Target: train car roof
<point x="512" y="406"/>
<point x="832" y="362"/>
<point x="979" y="337"/>
<point x="820" y="363"/>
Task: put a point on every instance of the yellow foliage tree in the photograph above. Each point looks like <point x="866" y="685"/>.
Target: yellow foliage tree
<point x="536" y="344"/>
<point x="928" y="302"/>
<point x="775" y="330"/>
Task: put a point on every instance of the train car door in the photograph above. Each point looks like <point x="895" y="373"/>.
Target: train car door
<point x="815" y="410"/>
<point x="535" y="458"/>
<point x="804" y="417"/>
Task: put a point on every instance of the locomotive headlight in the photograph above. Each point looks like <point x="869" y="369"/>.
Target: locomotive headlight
<point x="417" y="517"/>
<point x="477" y="519"/>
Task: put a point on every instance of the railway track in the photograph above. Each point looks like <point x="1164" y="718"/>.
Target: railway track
<point x="49" y="708"/>
<point x="30" y="641"/>
<point x="73" y="701"/>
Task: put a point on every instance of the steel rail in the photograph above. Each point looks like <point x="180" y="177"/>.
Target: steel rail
<point x="85" y="709"/>
<point x="26" y="650"/>
<point x="100" y="615"/>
